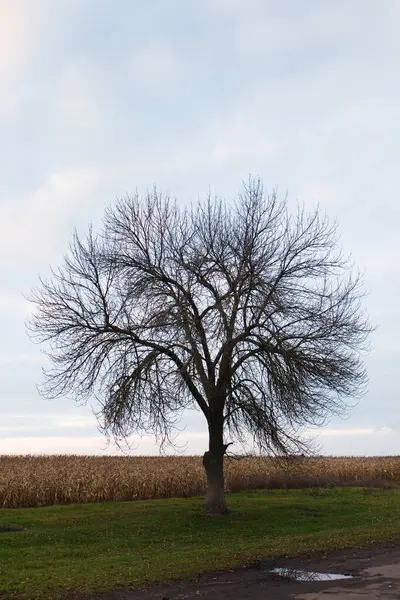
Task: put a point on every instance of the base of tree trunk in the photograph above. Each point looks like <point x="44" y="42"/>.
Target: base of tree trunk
<point x="216" y="503"/>
<point x="221" y="509"/>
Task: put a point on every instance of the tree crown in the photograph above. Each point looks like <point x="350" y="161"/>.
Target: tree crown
<point x="241" y="310"/>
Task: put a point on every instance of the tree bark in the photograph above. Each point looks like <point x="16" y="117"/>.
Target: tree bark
<point x="213" y="462"/>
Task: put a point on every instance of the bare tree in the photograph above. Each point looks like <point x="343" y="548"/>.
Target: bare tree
<point x="240" y="310"/>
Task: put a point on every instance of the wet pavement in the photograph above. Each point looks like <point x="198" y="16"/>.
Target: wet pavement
<point x="372" y="583"/>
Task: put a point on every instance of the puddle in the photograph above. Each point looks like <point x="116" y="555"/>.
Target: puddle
<point x="299" y="575"/>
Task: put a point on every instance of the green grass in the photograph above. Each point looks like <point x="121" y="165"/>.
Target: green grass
<point x="97" y="547"/>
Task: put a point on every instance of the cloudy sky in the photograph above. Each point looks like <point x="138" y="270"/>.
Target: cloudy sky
<point x="100" y="97"/>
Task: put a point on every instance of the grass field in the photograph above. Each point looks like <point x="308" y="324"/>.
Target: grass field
<point x="97" y="547"/>
<point x="32" y="481"/>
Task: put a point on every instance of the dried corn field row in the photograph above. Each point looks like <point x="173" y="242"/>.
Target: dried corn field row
<point x="31" y="481"/>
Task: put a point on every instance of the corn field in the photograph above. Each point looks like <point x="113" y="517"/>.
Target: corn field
<point x="33" y="481"/>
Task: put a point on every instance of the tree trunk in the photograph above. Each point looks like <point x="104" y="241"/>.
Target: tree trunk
<point x="213" y="462"/>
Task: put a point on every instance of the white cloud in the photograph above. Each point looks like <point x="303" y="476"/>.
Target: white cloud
<point x="23" y="24"/>
<point x="282" y="34"/>
<point x="20" y="26"/>
<point x="11" y="429"/>
<point x="146" y="445"/>
<point x="13" y="302"/>
<point x="237" y="139"/>
<point x="81" y="100"/>
<point x="381" y="442"/>
<point x="157" y="66"/>
<point x="52" y="445"/>
<point x="22" y="359"/>
<point x="36" y="416"/>
<point x="40" y="223"/>
<point x="74" y="422"/>
<point x="328" y="432"/>
<point x="353" y="442"/>
<point x="71" y="420"/>
<point x="340" y="432"/>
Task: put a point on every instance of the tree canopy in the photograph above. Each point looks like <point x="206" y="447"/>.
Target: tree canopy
<point x="241" y="310"/>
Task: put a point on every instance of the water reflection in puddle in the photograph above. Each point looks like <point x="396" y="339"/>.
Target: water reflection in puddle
<point x="299" y="575"/>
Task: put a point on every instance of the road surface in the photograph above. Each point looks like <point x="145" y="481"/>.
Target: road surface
<point x="375" y="571"/>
